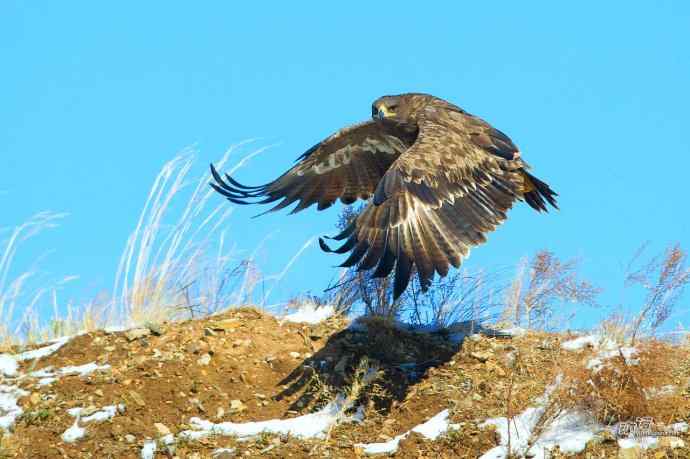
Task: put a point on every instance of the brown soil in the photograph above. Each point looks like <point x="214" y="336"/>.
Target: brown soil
<point x="198" y="368"/>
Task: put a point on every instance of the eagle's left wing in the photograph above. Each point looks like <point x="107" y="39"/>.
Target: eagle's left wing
<point x="347" y="165"/>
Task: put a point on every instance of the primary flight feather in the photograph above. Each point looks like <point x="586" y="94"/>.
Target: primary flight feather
<point x="438" y="177"/>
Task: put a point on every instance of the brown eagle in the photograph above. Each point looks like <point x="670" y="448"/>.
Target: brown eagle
<point x="441" y="178"/>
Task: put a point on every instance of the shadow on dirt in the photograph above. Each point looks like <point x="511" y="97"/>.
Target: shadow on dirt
<point x="403" y="357"/>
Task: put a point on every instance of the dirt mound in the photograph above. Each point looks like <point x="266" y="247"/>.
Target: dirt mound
<point x="197" y="389"/>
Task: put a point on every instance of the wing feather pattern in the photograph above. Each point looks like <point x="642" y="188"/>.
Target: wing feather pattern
<point x="435" y="202"/>
<point x="347" y="165"/>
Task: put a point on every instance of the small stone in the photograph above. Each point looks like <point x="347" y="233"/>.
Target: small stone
<point x="154" y="328"/>
<point x="295" y="355"/>
<point x="477" y="398"/>
<point x="138" y="399"/>
<point x="481" y="356"/>
<point x="162" y="429"/>
<point x="129" y="438"/>
<point x="137" y="333"/>
<point x="209" y="332"/>
<point x="241" y="342"/>
<point x="109" y="348"/>
<point x="220" y="412"/>
<point x="98" y="392"/>
<point x="35" y="398"/>
<point x="204" y="359"/>
<point x="237" y="406"/>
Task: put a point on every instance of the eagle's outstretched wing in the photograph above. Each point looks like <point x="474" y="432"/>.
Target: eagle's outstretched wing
<point x="436" y="201"/>
<point x="347" y="165"/>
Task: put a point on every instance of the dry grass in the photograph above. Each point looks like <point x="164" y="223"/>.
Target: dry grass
<point x="622" y="389"/>
<point x="541" y="284"/>
<point x="177" y="263"/>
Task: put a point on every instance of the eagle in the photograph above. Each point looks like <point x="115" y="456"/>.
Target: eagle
<point x="437" y="180"/>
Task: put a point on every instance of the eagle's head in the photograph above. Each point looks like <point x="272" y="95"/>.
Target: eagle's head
<point x="402" y="108"/>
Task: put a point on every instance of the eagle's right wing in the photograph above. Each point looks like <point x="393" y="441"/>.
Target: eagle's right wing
<point x="347" y="165"/>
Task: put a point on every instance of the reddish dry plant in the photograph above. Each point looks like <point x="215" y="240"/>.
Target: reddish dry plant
<point x="543" y="282"/>
<point x="664" y="278"/>
<point x="644" y="385"/>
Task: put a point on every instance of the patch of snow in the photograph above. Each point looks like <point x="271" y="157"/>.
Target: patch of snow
<point x="314" y="425"/>
<point x="9" y="409"/>
<point x="570" y="431"/>
<point x="43" y="351"/>
<point x="105" y="413"/>
<point x="581" y="342"/>
<point x="46" y="381"/>
<point x="168" y="439"/>
<point x="82" y="370"/>
<point x="8" y="365"/>
<point x="74" y="433"/>
<point x="515" y="332"/>
<point x="148" y="451"/>
<point x="597" y="363"/>
<point x="310" y="313"/>
<point x="219" y="451"/>
<point x="430" y="430"/>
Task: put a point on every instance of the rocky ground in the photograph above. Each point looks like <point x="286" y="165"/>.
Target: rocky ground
<point x="246" y="384"/>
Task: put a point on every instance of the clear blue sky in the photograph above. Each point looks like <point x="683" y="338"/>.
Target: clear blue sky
<point x="94" y="98"/>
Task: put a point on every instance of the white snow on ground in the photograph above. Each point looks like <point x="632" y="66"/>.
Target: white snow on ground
<point x="513" y="331"/>
<point x="10" y="394"/>
<point x="43" y="351"/>
<point x="9" y="410"/>
<point x="8" y="365"/>
<point x="148" y="451"/>
<point x="582" y="342"/>
<point x="105" y="413"/>
<point x="82" y="370"/>
<point x="570" y="431"/>
<point x="74" y="433"/>
<point x="597" y="363"/>
<point x="430" y="430"/>
<point x="606" y="348"/>
<point x="48" y="376"/>
<point x="310" y="313"/>
<point x="314" y="425"/>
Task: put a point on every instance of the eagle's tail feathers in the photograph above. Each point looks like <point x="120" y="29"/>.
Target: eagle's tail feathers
<point x="538" y="193"/>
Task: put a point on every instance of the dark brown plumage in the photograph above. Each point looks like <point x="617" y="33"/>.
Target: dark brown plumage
<point x="439" y="178"/>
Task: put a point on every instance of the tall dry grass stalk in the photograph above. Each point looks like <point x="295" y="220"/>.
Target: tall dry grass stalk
<point x="17" y="291"/>
<point x="541" y="284"/>
<point x="167" y="269"/>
